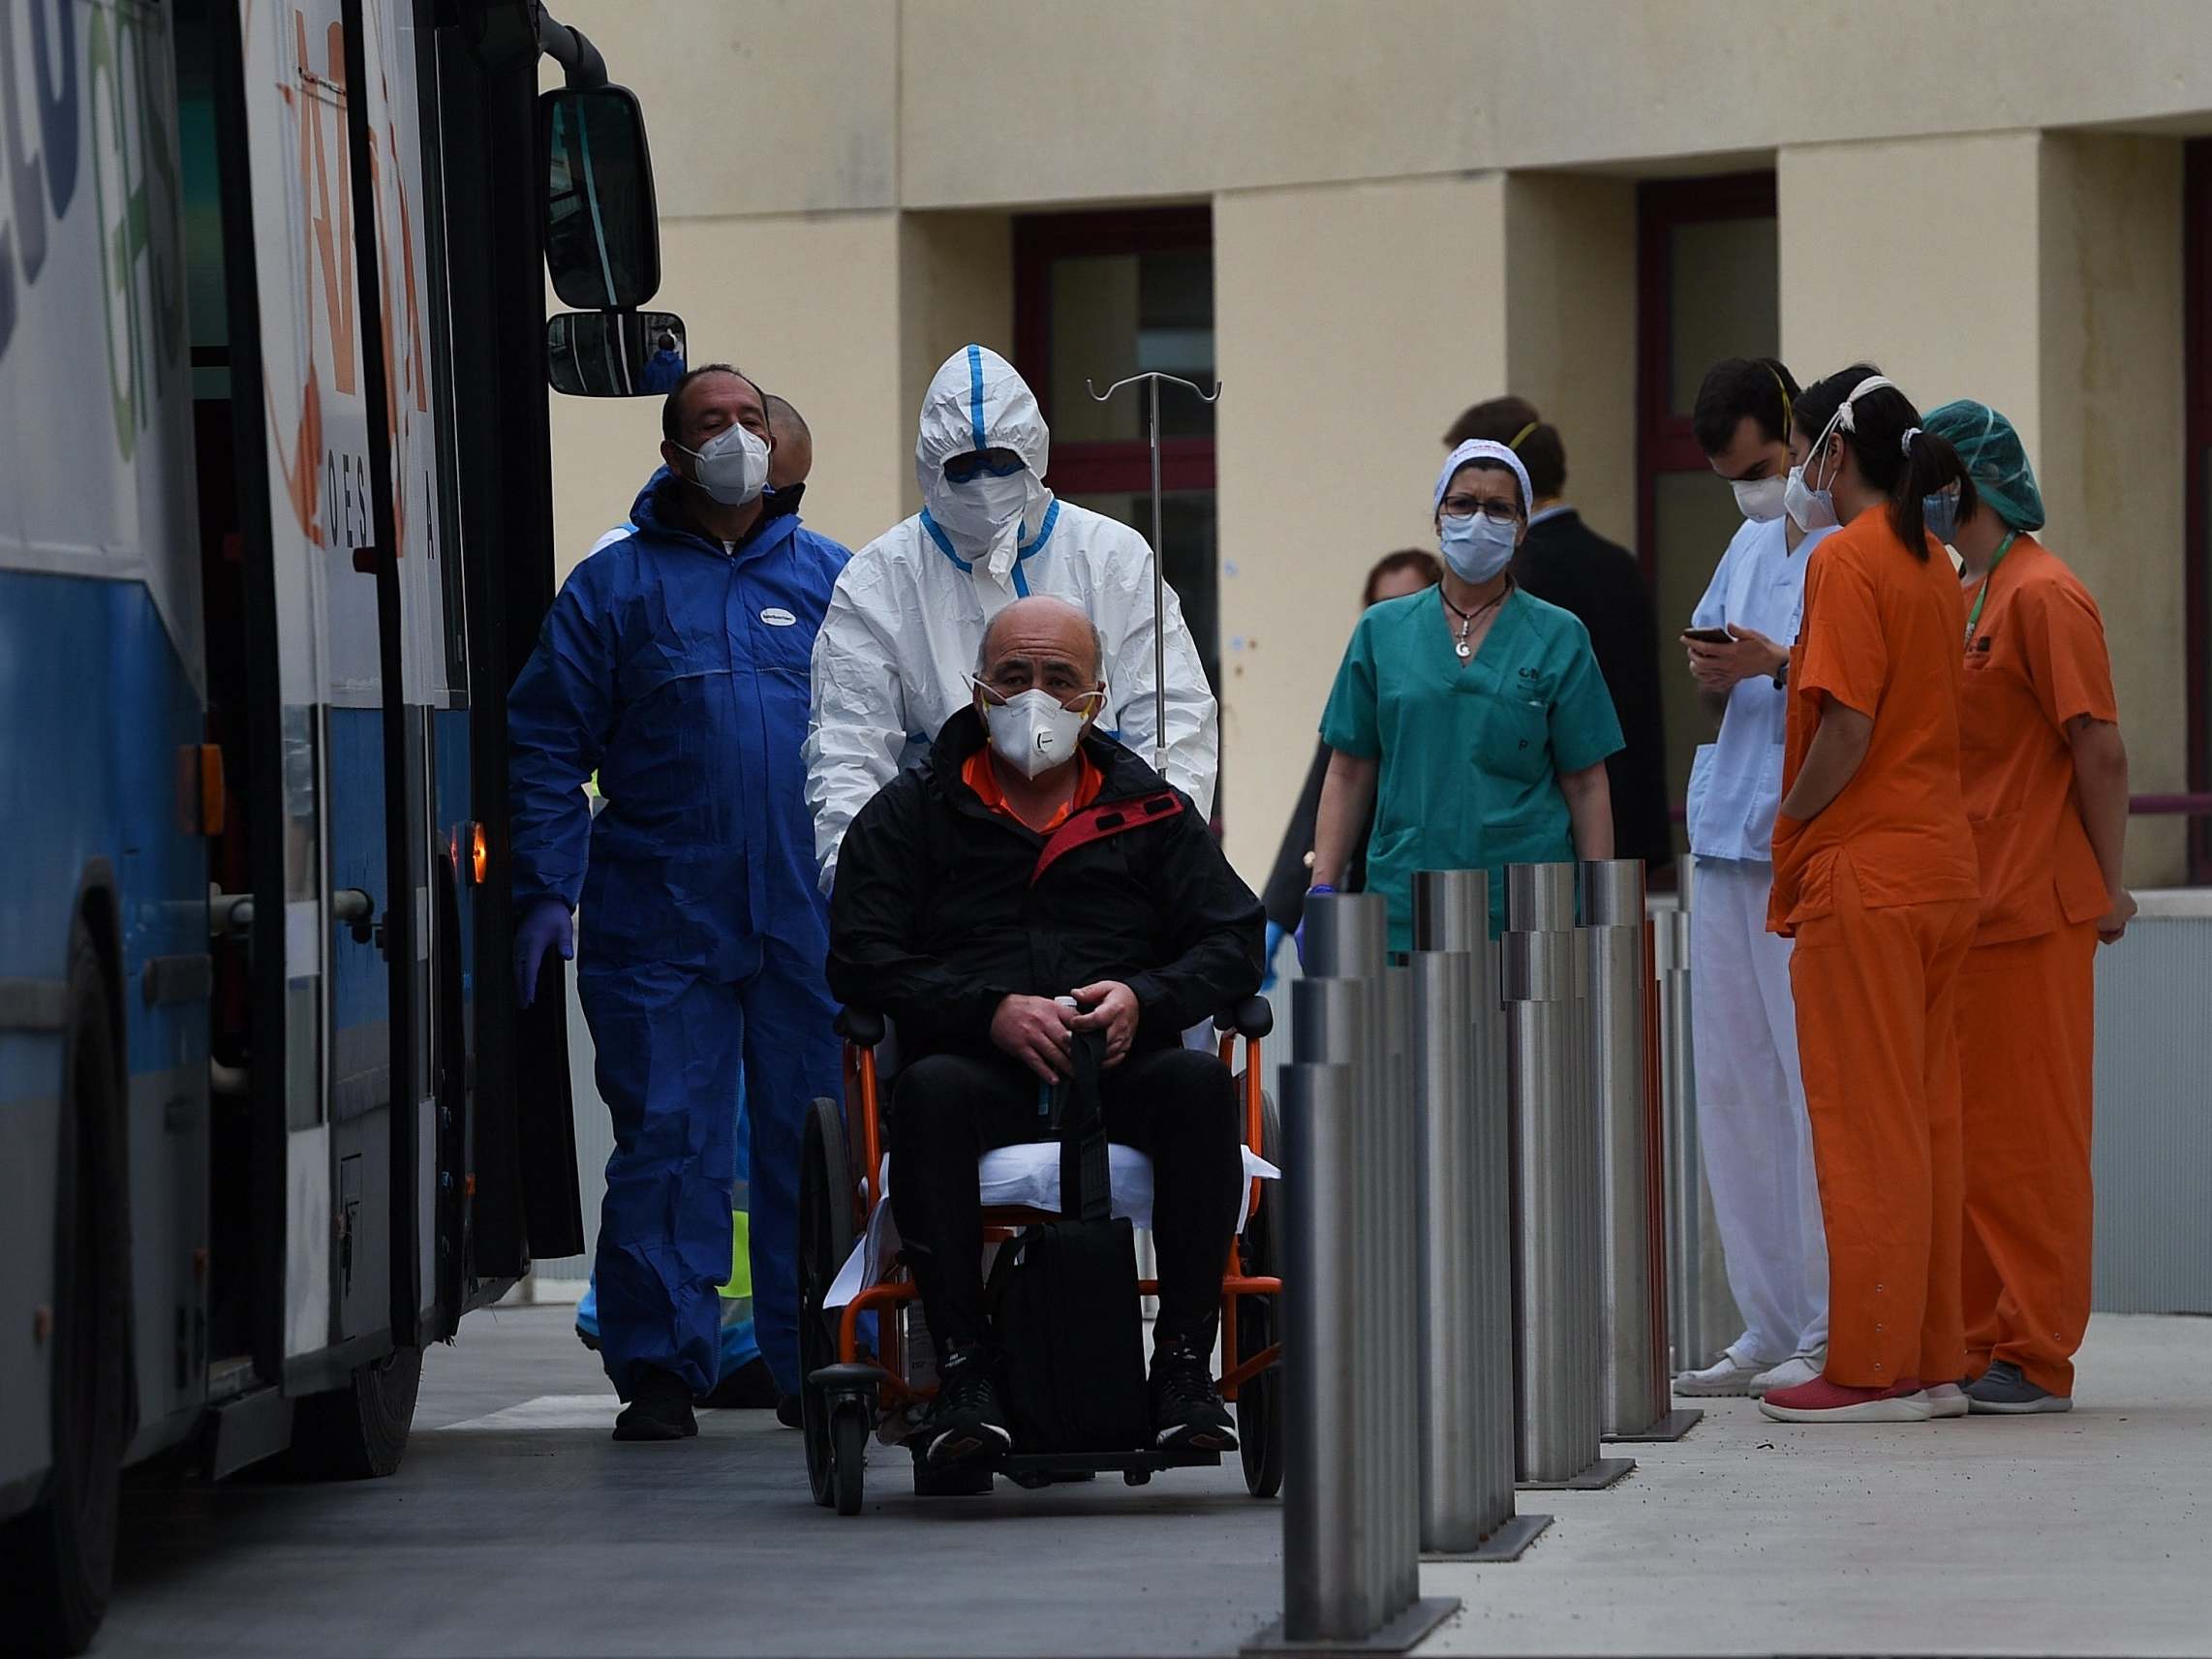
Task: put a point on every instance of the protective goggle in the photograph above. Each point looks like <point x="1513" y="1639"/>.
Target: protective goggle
<point x="979" y="462"/>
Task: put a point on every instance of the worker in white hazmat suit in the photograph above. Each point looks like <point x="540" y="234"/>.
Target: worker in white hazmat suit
<point x="892" y="661"/>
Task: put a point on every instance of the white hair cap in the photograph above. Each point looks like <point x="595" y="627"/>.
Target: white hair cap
<point x="1483" y="450"/>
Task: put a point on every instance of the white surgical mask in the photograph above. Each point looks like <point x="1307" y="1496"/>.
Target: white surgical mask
<point x="1032" y="732"/>
<point x="1808" y="509"/>
<point x="1761" y="501"/>
<point x="1476" y="547"/>
<point x="732" y="466"/>
<point x="984" y="516"/>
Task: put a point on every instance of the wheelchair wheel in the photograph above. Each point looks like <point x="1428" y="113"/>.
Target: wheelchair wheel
<point x="825" y="1239"/>
<point x="848" y="1452"/>
<point x="1259" y="1325"/>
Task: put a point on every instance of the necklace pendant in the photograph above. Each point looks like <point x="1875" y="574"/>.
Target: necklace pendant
<point x="1464" y="651"/>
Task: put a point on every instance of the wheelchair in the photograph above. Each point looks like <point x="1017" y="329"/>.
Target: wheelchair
<point x="848" y="1394"/>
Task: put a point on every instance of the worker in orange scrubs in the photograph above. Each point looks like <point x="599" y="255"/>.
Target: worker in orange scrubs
<point x="2045" y="774"/>
<point x="1874" y="875"/>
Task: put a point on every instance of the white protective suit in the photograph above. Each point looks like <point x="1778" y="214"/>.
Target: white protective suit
<point x="906" y="620"/>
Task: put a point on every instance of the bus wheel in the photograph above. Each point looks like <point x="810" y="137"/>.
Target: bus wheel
<point x="358" y="1430"/>
<point x="59" y="1559"/>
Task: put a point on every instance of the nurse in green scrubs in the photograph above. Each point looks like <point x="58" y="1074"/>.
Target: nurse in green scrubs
<point x="1471" y="715"/>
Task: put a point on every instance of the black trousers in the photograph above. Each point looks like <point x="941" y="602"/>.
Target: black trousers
<point x="1177" y="1106"/>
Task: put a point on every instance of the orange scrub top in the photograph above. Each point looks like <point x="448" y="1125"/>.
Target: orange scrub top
<point x="2036" y="661"/>
<point x="1881" y="637"/>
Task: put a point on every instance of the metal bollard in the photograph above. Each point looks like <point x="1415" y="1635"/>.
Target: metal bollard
<point x="1351" y="1565"/>
<point x="1328" y="1591"/>
<point x="1465" y="1311"/>
<point x="1702" y="1314"/>
<point x="1634" y="1379"/>
<point x="1555" y="1187"/>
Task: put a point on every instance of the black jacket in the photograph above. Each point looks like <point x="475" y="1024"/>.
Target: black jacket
<point x="1568" y="564"/>
<point x="943" y="907"/>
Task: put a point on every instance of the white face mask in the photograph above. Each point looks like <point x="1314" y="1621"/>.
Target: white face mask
<point x="1032" y="733"/>
<point x="985" y="518"/>
<point x="1476" y="547"/>
<point x="733" y="466"/>
<point x="1808" y="509"/>
<point x="1761" y="501"/>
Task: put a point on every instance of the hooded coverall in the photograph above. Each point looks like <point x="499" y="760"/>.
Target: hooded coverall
<point x="676" y="666"/>
<point x="907" y="620"/>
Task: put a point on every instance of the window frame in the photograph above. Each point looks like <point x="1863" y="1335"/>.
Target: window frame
<point x="1118" y="466"/>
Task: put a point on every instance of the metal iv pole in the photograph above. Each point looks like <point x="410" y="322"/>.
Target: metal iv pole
<point x="1152" y="379"/>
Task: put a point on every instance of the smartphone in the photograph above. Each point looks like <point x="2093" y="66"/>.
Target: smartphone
<point x="1709" y="636"/>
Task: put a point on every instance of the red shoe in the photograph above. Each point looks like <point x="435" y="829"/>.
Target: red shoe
<point x="1823" y="1401"/>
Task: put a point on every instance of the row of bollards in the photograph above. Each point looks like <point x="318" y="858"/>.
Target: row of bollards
<point x="1475" y="1190"/>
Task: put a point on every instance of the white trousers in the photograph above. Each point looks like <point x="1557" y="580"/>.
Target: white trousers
<point x="1752" y="1127"/>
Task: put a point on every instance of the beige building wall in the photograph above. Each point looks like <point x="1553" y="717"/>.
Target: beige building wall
<point x="1350" y="321"/>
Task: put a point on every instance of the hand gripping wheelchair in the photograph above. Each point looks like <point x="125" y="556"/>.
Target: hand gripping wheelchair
<point x="847" y="1392"/>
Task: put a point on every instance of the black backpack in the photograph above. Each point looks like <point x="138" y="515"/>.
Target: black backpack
<point x="1064" y="1297"/>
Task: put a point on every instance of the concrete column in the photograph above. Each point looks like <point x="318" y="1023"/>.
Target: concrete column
<point x="2040" y="273"/>
<point x="956" y="283"/>
<point x="1571" y="330"/>
<point x="1353" y="322"/>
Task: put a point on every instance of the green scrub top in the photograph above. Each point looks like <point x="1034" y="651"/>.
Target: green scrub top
<point x="1471" y="753"/>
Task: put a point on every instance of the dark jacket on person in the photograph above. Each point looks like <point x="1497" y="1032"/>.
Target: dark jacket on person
<point x="1287" y="882"/>
<point x="942" y="907"/>
<point x="1568" y="564"/>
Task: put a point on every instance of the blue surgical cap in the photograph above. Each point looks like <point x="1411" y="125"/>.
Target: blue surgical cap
<point x="1995" y="459"/>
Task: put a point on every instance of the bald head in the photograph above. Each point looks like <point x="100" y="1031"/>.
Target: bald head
<point x="793" y="457"/>
<point x="1041" y="642"/>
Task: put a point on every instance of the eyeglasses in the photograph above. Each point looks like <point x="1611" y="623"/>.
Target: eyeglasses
<point x="998" y="463"/>
<point x="1466" y="506"/>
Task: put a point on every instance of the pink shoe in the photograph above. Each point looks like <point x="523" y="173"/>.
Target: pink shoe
<point x="1823" y="1401"/>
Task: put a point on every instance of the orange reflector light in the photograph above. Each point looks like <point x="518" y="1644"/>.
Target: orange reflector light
<point x="479" y="854"/>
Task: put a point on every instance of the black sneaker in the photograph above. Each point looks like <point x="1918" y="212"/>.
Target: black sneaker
<point x="749" y="1388"/>
<point x="1188" y="1413"/>
<point x="791" y="1412"/>
<point x="659" y="1409"/>
<point x="968" y="1422"/>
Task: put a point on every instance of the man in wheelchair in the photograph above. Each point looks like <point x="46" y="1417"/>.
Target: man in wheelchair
<point x="1030" y="857"/>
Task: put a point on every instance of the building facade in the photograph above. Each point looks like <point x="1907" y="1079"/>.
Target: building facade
<point x="1364" y="215"/>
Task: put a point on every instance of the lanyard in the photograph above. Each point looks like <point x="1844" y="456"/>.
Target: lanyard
<point x="1974" y="616"/>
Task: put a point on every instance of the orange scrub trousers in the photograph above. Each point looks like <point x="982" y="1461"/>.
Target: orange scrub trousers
<point x="1878" y="891"/>
<point x="2026" y="1008"/>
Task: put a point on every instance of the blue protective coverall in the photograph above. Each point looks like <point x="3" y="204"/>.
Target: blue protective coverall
<point x="678" y="670"/>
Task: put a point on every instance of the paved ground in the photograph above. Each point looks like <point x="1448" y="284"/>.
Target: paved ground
<point x="2089" y="1533"/>
<point x="517" y="1527"/>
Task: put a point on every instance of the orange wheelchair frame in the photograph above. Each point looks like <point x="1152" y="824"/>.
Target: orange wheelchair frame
<point x="842" y="1397"/>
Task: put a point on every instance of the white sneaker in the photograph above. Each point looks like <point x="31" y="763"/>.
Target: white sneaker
<point x="1726" y="1378"/>
<point x="1794" y="1372"/>
<point x="1948" y="1400"/>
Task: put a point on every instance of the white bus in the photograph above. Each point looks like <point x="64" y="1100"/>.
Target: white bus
<point x="275" y="535"/>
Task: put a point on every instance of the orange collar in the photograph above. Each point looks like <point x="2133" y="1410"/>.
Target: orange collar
<point x="978" y="774"/>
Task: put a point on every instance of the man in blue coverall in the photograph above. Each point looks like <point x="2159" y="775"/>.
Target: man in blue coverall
<point x="675" y="663"/>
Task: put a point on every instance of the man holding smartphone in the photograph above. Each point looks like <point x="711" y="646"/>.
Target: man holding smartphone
<point x="1751" y="1101"/>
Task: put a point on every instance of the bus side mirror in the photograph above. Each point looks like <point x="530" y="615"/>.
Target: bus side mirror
<point x="602" y="238"/>
<point x="615" y="354"/>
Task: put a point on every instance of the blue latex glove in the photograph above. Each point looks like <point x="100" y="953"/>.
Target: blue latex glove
<point x="544" y="926"/>
<point x="1323" y="887"/>
<point x="1274" y="943"/>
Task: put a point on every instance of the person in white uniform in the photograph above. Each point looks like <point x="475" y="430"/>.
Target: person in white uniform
<point x="1751" y="1126"/>
<point x="892" y="661"/>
